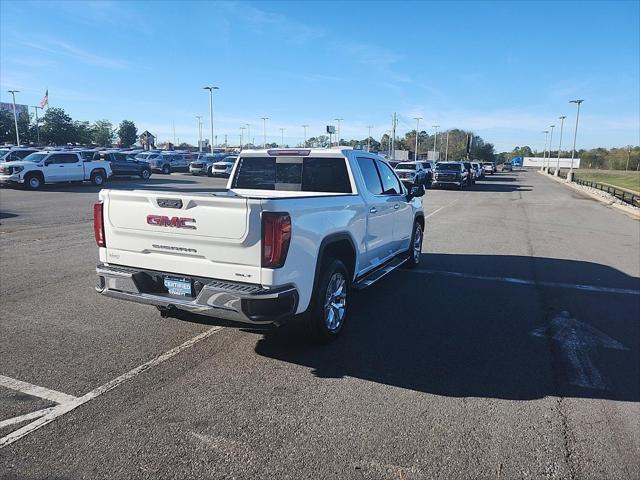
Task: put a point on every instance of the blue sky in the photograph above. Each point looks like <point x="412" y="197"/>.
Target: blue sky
<point x="503" y="69"/>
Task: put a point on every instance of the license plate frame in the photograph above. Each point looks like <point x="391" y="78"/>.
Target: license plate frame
<point x="178" y="286"/>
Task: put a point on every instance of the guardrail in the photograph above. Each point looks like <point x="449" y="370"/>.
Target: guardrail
<point x="626" y="196"/>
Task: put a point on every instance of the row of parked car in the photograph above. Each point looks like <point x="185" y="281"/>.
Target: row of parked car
<point x="32" y="167"/>
<point x="439" y="174"/>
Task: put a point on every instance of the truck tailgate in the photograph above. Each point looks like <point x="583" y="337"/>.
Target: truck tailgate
<point x="199" y="234"/>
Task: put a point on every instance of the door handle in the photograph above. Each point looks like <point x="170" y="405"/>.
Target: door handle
<point x="61" y="166"/>
<point x="373" y="210"/>
<point x="396" y="206"/>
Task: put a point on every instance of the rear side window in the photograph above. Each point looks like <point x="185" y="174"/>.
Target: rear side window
<point x="327" y="175"/>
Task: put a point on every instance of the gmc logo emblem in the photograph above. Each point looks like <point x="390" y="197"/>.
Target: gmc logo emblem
<point x="173" y="222"/>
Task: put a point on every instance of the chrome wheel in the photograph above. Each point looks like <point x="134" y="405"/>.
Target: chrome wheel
<point x="34" y="183"/>
<point x="417" y="244"/>
<point x="335" y="303"/>
<point x="98" y="180"/>
<point x="146" y="174"/>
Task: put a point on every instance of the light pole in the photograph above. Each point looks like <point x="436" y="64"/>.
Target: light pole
<point x="544" y="152"/>
<point x="282" y="133"/>
<point x="211" y="89"/>
<point x="36" y="107"/>
<point x="561" y="118"/>
<point x="369" y="127"/>
<point x="575" y="134"/>
<point x="550" y="147"/>
<point x="338" y="139"/>
<point x="435" y="141"/>
<point x="15" y="117"/>
<point x="446" y="150"/>
<point x="628" y="156"/>
<point x="199" y="117"/>
<point x="305" y="135"/>
<point x="417" y="119"/>
<point x="264" y="132"/>
<point x="242" y="129"/>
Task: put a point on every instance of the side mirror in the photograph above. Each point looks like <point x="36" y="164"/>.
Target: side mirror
<point x="416" y="191"/>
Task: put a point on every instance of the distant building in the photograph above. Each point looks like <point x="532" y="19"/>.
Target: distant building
<point x="8" y="106"/>
<point x="147" y="140"/>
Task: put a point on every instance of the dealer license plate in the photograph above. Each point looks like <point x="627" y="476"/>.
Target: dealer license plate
<point x="178" y="286"/>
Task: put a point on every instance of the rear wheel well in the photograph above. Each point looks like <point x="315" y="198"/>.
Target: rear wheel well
<point x="341" y="250"/>
<point x="98" y="170"/>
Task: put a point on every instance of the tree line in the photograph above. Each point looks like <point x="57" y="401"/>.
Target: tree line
<point x="616" y="158"/>
<point x="453" y="149"/>
<point x="58" y="128"/>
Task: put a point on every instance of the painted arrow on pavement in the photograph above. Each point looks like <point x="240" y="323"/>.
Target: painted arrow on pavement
<point x="578" y="341"/>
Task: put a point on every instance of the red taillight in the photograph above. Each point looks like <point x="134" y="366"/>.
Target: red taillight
<point x="98" y="225"/>
<point x="276" y="235"/>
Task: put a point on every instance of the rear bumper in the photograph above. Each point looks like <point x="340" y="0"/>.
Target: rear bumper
<point x="234" y="301"/>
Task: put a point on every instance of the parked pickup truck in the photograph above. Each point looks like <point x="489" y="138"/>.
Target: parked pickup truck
<point x="293" y="234"/>
<point x="54" y="167"/>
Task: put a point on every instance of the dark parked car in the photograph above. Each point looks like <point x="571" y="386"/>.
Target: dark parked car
<point x="450" y="173"/>
<point x="124" y="165"/>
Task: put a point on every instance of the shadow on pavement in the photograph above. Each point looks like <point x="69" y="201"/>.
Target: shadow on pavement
<point x="469" y="337"/>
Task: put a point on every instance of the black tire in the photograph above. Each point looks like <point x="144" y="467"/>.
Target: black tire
<point x="98" y="178"/>
<point x="33" y="181"/>
<point x="166" y="169"/>
<point x="415" y="247"/>
<point x="145" y="174"/>
<point x="210" y="172"/>
<point x="317" y="318"/>
<point x="461" y="186"/>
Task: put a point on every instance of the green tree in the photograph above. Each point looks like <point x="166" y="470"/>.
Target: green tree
<point x="127" y="133"/>
<point x="103" y="133"/>
<point x="57" y="127"/>
<point x="82" y="132"/>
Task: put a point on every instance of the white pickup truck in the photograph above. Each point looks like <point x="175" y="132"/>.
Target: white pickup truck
<point x="54" y="166"/>
<point x="294" y="232"/>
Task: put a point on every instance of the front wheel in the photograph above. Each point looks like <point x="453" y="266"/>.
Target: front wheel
<point x="33" y="182"/>
<point x="166" y="169"/>
<point x="329" y="309"/>
<point x="415" y="247"/>
<point x="145" y="174"/>
<point x="210" y="172"/>
<point x="97" y="178"/>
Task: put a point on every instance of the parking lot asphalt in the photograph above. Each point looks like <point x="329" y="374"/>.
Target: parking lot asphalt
<point x="512" y="351"/>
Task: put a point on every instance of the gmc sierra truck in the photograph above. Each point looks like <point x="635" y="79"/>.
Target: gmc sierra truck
<point x="55" y="166"/>
<point x="291" y="236"/>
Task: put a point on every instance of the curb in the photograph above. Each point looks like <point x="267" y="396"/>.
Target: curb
<point x="632" y="212"/>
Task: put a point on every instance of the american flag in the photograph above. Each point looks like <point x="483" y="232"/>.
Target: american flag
<point x="45" y="100"/>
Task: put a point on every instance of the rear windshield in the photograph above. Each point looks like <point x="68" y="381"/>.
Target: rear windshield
<point x="406" y="166"/>
<point x="293" y="174"/>
<point x="448" y="167"/>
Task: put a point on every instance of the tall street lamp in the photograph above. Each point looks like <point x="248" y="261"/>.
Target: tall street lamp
<point x="15" y="117"/>
<point x="36" y="107"/>
<point x="249" y="134"/>
<point x="435" y="141"/>
<point x="338" y="140"/>
<point x="211" y="89"/>
<point x="305" y="135"/>
<point x="282" y="133"/>
<point x="199" y="117"/>
<point x="544" y="152"/>
<point x="242" y="129"/>
<point x="561" y="118"/>
<point x="369" y="127"/>
<point x="575" y="133"/>
<point x="417" y="119"/>
<point x="446" y="150"/>
<point x="264" y="132"/>
<point x="550" y="147"/>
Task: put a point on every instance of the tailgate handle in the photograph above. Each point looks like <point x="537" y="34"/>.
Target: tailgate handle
<point x="170" y="203"/>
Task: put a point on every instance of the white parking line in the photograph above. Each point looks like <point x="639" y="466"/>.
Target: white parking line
<point x="63" y="408"/>
<point x="25" y="417"/>
<point x="523" y="281"/>
<point x="436" y="211"/>
<point x="35" y="390"/>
